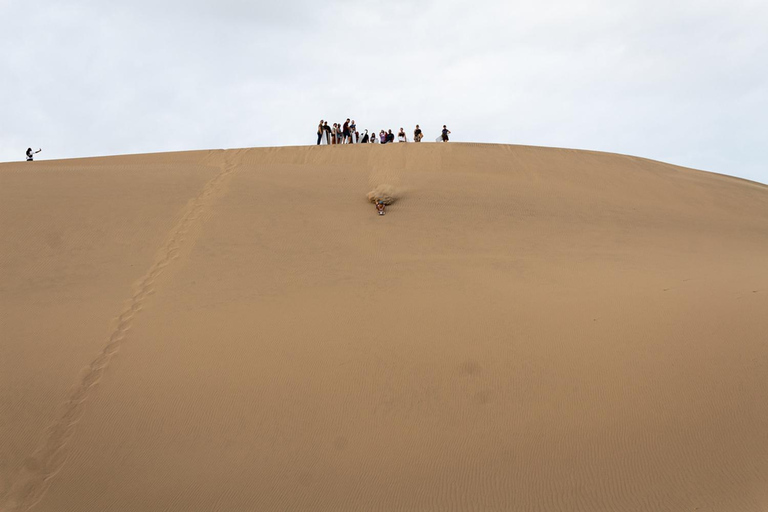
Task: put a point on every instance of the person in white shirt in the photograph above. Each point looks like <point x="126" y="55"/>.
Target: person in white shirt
<point x="401" y="136"/>
<point x="30" y="154"/>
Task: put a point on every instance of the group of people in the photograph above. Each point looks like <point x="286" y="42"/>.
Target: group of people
<point x="347" y="133"/>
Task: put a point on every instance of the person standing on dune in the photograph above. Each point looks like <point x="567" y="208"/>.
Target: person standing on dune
<point x="320" y="132"/>
<point x="346" y="139"/>
<point x="417" y="134"/>
<point x="445" y="134"/>
<point x="31" y="154"/>
<point x="327" y="133"/>
<point x="401" y="136"/>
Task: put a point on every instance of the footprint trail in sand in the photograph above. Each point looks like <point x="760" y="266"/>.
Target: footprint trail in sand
<point x="30" y="485"/>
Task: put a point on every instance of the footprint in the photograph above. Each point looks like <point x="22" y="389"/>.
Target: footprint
<point x="471" y="367"/>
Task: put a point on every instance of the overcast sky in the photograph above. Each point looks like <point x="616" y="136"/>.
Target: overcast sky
<point x="681" y="81"/>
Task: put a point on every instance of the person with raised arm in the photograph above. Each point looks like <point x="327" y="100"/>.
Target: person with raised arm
<point x="31" y="154"/>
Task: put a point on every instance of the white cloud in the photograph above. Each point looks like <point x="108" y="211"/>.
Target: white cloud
<point x="676" y="81"/>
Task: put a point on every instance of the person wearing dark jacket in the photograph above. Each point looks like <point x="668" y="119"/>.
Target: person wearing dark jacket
<point x="327" y="132"/>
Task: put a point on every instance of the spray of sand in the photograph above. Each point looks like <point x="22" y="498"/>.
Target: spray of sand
<point x="383" y="193"/>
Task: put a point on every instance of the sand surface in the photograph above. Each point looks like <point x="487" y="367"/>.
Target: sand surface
<point x="526" y="329"/>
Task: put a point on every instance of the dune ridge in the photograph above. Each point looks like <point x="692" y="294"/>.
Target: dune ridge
<point x="527" y="329"/>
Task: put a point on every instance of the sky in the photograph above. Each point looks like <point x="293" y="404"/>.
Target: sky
<point x="685" y="82"/>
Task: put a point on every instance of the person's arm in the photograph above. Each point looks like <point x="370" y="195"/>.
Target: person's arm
<point x="39" y="150"/>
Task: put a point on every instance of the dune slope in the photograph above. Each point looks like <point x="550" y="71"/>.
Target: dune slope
<point x="525" y="329"/>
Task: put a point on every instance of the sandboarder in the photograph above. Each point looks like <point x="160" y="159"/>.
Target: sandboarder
<point x="380" y="207"/>
<point x="327" y="133"/>
<point x="30" y="154"/>
<point x="417" y="134"/>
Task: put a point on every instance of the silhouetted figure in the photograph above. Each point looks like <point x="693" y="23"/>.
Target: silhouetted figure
<point x="31" y="154"/>
<point x="417" y="134"/>
<point x="327" y="133"/>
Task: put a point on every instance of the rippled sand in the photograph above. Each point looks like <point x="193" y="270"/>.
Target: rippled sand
<point x="526" y="329"/>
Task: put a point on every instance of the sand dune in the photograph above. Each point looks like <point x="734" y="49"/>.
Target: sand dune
<point x="526" y="329"/>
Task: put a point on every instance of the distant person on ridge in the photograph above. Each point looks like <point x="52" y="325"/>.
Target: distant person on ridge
<point x="352" y="132"/>
<point x="320" y="132"/>
<point x="327" y="130"/>
<point x="445" y="134"/>
<point x="417" y="135"/>
<point x="30" y="154"/>
<point x="383" y="137"/>
<point x="401" y="135"/>
<point x="390" y="136"/>
<point x="365" y="138"/>
<point x="346" y="139"/>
